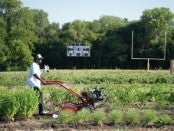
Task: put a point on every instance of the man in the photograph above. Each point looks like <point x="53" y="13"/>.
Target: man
<point x="35" y="79"/>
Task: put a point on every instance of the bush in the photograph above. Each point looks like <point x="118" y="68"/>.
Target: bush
<point x="17" y="103"/>
<point x="8" y="105"/>
<point x="28" y="102"/>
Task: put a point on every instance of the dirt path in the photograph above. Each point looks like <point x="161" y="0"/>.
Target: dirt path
<point x="50" y="124"/>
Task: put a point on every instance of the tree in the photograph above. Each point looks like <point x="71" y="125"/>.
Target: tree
<point x="3" y="47"/>
<point x="156" y="22"/>
<point x="52" y="49"/>
<point x="77" y="32"/>
<point x="8" y="10"/>
<point x="107" y="48"/>
<point x="52" y="32"/>
<point x="20" y="56"/>
<point x="25" y="19"/>
<point x="40" y="18"/>
<point x="21" y="43"/>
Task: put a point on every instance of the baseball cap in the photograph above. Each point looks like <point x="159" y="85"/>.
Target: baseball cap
<point x="39" y="56"/>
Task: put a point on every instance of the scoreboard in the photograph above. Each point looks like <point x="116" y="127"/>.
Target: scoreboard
<point x="78" y="50"/>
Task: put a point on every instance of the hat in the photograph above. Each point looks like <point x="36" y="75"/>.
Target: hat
<point x="39" y="56"/>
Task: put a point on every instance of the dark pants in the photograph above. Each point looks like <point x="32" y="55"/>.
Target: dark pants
<point x="40" y="95"/>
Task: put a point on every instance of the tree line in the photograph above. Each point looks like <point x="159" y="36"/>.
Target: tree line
<point x="25" y="32"/>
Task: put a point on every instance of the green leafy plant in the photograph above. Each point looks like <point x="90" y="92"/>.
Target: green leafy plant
<point x="82" y="116"/>
<point x="132" y="116"/>
<point x="116" y="116"/>
<point x="65" y="116"/>
<point x="149" y="117"/>
<point x="61" y="95"/>
<point x="165" y="119"/>
<point x="28" y="102"/>
<point x="98" y="116"/>
<point x="8" y="105"/>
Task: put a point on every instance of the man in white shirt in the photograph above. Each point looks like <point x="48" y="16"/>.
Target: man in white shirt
<point x="35" y="79"/>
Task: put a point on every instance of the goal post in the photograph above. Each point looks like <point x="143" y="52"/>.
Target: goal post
<point x="145" y="58"/>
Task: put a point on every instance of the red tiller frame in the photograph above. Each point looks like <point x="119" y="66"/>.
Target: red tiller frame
<point x="60" y="83"/>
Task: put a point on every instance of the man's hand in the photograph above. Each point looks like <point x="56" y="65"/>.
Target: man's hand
<point x="44" y="82"/>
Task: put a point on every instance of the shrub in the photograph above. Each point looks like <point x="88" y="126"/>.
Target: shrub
<point x="8" y="105"/>
<point x="28" y="102"/>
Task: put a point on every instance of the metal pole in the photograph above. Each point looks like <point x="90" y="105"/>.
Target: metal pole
<point x="132" y="44"/>
<point x="148" y="65"/>
<point x="165" y="47"/>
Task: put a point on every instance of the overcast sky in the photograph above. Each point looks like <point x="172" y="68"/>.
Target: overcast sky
<point x="63" y="11"/>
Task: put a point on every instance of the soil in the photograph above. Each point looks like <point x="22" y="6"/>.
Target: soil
<point x="49" y="123"/>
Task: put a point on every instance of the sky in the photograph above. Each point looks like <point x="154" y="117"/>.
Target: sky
<point x="63" y="11"/>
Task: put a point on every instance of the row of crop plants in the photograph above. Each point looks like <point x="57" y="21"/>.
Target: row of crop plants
<point x="160" y="96"/>
<point x="17" y="103"/>
<point x="92" y="76"/>
<point x="112" y="76"/>
<point x="116" y="116"/>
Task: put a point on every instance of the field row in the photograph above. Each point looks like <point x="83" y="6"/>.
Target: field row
<point x="92" y="77"/>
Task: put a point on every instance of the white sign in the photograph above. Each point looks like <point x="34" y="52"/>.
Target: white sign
<point x="78" y="51"/>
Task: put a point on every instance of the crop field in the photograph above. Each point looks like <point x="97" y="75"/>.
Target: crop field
<point x="136" y="100"/>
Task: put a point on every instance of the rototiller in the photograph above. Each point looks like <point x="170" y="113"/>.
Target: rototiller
<point x="87" y="101"/>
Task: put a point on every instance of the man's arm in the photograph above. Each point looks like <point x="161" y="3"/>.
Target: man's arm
<point x="43" y="80"/>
